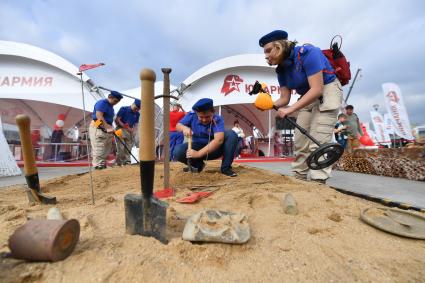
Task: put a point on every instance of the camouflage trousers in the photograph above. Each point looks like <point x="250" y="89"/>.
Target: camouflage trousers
<point x="319" y="121"/>
<point x="123" y="156"/>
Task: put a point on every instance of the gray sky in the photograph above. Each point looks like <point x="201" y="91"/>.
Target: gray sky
<point x="384" y="38"/>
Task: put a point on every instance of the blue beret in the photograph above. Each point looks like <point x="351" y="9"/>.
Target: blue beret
<point x="273" y="36"/>
<point x="137" y="103"/>
<point x="116" y="94"/>
<point x="203" y="104"/>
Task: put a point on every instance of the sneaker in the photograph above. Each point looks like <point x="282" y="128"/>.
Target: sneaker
<point x="299" y="176"/>
<point x="229" y="172"/>
<point x="100" y="167"/>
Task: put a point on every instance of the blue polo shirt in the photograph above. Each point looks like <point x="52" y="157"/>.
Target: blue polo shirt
<point x="200" y="131"/>
<point x="104" y="106"/>
<point x="293" y="73"/>
<point x="128" y="116"/>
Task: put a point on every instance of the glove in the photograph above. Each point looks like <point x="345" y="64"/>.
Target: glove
<point x="264" y="101"/>
<point x="98" y="123"/>
<point x="118" y="133"/>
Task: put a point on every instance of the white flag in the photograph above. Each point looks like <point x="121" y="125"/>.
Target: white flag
<point x="388" y="124"/>
<point x="379" y="126"/>
<point x="397" y="111"/>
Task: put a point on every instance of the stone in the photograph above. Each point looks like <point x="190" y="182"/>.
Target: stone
<point x="54" y="214"/>
<point x="290" y="205"/>
<point x="217" y="226"/>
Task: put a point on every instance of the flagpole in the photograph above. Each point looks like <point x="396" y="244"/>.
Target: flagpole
<point x="87" y="137"/>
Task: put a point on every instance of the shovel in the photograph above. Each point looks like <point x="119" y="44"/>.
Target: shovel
<point x="145" y="214"/>
<point x="31" y="173"/>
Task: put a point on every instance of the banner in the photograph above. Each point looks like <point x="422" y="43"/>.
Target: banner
<point x="388" y="124"/>
<point x="381" y="134"/>
<point x="397" y="110"/>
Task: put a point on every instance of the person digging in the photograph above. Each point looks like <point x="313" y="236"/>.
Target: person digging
<point x="207" y="138"/>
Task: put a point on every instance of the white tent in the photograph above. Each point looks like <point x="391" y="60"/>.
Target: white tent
<point x="42" y="85"/>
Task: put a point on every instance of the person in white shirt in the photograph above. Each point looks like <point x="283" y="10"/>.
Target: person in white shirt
<point x="239" y="131"/>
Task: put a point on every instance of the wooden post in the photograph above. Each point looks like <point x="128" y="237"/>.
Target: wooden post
<point x="166" y="124"/>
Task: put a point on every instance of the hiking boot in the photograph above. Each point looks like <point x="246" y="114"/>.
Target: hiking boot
<point x="229" y="172"/>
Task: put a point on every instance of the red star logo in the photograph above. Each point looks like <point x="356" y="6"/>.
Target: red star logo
<point x="231" y="83"/>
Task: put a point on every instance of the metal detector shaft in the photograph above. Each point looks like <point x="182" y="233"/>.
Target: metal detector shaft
<point x="302" y="130"/>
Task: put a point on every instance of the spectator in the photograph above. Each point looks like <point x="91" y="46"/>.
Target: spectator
<point x="341" y="130"/>
<point x="57" y="136"/>
<point x="354" y="130"/>
<point x="241" y="135"/>
<point x="176" y="137"/>
<point x="277" y="144"/>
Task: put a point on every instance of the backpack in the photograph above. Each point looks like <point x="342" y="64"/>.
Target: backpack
<point x="338" y="62"/>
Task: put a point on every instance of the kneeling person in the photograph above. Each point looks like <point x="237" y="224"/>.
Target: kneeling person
<point x="210" y="139"/>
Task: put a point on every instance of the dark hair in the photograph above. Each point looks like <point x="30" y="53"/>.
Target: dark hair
<point x="342" y="115"/>
<point x="349" y="107"/>
<point x="236" y="122"/>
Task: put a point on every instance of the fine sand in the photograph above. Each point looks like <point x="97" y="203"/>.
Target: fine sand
<point x="325" y="242"/>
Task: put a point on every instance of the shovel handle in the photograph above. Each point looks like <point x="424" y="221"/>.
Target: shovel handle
<point x="24" y="124"/>
<point x="189" y="142"/>
<point x="147" y="135"/>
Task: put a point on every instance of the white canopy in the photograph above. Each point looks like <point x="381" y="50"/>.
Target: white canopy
<point x="41" y="84"/>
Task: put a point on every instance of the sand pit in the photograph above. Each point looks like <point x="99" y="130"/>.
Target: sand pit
<point x="326" y="241"/>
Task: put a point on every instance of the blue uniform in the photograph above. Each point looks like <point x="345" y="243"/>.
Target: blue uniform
<point x="104" y="106"/>
<point x="201" y="133"/>
<point x="303" y="62"/>
<point x="128" y="116"/>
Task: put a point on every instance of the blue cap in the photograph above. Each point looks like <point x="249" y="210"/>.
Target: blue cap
<point x="116" y="94"/>
<point x="137" y="103"/>
<point x="273" y="36"/>
<point x="203" y="104"/>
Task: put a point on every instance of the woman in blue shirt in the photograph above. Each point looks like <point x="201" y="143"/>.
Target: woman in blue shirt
<point x="307" y="71"/>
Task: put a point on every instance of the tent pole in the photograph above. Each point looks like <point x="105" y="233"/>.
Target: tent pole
<point x="270" y="129"/>
<point x="87" y="137"/>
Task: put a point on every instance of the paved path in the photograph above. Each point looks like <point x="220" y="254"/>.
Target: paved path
<point x="44" y="173"/>
<point x="395" y="189"/>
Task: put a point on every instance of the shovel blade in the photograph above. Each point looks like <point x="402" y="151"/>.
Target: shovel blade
<point x="35" y="196"/>
<point x="146" y="217"/>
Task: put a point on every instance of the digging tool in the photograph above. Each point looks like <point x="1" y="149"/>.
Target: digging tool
<point x="31" y="173"/>
<point x="324" y="156"/>
<point x="145" y="214"/>
<point x="100" y="127"/>
<point x="189" y="160"/>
